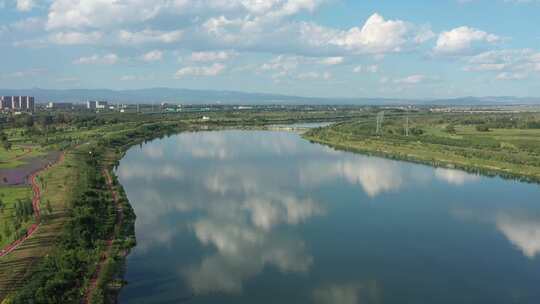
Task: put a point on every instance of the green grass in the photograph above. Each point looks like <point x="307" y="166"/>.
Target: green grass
<point x="10" y="154"/>
<point x="59" y="183"/>
<point x="506" y="152"/>
<point x="9" y="196"/>
<point x="17" y="155"/>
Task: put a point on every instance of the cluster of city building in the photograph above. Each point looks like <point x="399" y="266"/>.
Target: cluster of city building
<point x="27" y="104"/>
<point x="60" y="106"/>
<point x="96" y="105"/>
<point x="17" y="103"/>
<point x="22" y="104"/>
<point x="90" y="105"/>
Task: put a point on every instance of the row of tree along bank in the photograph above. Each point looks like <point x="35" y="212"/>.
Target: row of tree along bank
<point x="64" y="275"/>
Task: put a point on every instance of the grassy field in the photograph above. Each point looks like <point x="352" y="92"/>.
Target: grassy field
<point x="58" y="184"/>
<point x="17" y="154"/>
<point x="442" y="141"/>
<point x="8" y="197"/>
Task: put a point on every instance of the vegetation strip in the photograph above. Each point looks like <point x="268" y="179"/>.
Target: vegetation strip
<point x="108" y="251"/>
<point x="36" y="201"/>
<point x="506" y="145"/>
<point x="19" y="157"/>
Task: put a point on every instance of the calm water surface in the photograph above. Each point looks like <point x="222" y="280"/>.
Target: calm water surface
<point x="267" y="217"/>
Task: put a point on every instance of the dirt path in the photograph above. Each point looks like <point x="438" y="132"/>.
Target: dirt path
<point x="36" y="200"/>
<point x="92" y="286"/>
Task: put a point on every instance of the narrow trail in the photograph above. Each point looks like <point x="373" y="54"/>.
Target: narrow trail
<point x="36" y="200"/>
<point x="92" y="286"/>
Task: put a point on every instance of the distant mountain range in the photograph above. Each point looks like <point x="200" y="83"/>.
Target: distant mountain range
<point x="158" y="95"/>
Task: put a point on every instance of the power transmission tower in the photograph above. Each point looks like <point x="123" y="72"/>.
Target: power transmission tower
<point x="407" y="127"/>
<point x="380" y="120"/>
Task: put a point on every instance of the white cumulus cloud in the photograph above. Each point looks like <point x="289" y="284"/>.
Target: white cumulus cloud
<point x="149" y="36"/>
<point x="412" y="79"/>
<point x="211" y="70"/>
<point x="155" y="55"/>
<point x="332" y="60"/>
<point x="210" y="56"/>
<point x="462" y="39"/>
<point x="314" y="75"/>
<point x="379" y="35"/>
<point x="511" y="64"/>
<point x="25" y="5"/>
<point x="98" y="59"/>
<point x="370" y="69"/>
<point x="75" y="38"/>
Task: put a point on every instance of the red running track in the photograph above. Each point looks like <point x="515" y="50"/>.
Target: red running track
<point x="36" y="199"/>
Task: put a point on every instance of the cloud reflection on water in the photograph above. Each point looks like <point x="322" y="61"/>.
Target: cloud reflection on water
<point x="216" y="146"/>
<point x="242" y="208"/>
<point x="348" y="293"/>
<point x="522" y="231"/>
<point x="236" y="209"/>
<point x="455" y="177"/>
<point x="242" y="252"/>
<point x="375" y="176"/>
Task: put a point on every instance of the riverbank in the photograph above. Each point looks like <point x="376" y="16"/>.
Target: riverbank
<point x="501" y="152"/>
<point x="103" y="251"/>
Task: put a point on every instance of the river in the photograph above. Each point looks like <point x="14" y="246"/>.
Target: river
<point x="267" y="217"/>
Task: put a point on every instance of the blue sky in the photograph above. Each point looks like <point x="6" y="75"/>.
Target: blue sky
<point x="330" y="48"/>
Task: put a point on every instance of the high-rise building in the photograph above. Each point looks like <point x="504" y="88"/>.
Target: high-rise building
<point x="16" y="102"/>
<point x="93" y="105"/>
<point x="23" y="102"/>
<point x="26" y="103"/>
<point x="5" y="102"/>
<point x="102" y="104"/>
<point x="30" y="103"/>
<point x="60" y="105"/>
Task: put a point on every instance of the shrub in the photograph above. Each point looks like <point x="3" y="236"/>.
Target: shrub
<point x="450" y="129"/>
<point x="482" y="128"/>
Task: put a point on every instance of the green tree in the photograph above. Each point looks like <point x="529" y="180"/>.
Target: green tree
<point x="29" y="121"/>
<point x="450" y="129"/>
<point x="482" y="128"/>
<point x="7" y="145"/>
